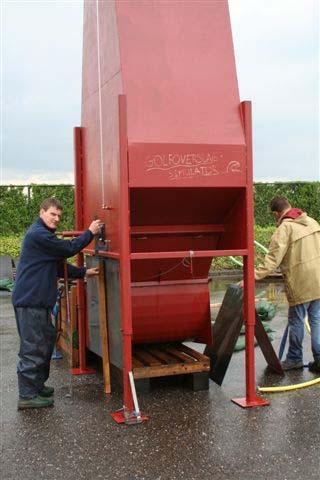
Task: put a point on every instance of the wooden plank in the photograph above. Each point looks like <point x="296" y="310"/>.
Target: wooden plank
<point x="64" y="344"/>
<point x="136" y="363"/>
<point x="180" y="355"/>
<point x="266" y="347"/>
<point x="225" y="332"/>
<point x="103" y="320"/>
<point x="63" y="340"/>
<point x="193" y="353"/>
<point x="73" y="326"/>
<point x="218" y="305"/>
<point x="167" y="370"/>
<point x="146" y="358"/>
<point x="162" y="355"/>
<point x="63" y="314"/>
<point x="184" y="253"/>
<point x="162" y="360"/>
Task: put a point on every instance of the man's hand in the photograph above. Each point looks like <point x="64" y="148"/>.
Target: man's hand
<point x="91" y="272"/>
<point x="95" y="226"/>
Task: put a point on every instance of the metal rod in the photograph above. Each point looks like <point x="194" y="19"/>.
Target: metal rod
<point x="81" y="319"/>
<point x="68" y="321"/>
<point x="79" y="224"/>
<point x="134" y="396"/>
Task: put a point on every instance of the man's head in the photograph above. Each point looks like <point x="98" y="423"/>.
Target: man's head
<point x="50" y="212"/>
<point x="279" y="205"/>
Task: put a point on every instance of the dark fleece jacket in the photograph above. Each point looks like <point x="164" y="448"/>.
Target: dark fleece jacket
<point x="41" y="264"/>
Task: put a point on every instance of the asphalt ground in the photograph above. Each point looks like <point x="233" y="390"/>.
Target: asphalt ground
<point x="189" y="435"/>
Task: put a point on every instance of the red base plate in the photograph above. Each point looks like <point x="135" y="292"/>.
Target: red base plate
<point x="256" y="402"/>
<point x="120" y="418"/>
<point x="82" y="371"/>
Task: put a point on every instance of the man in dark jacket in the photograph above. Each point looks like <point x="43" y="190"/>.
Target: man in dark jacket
<point x="34" y="295"/>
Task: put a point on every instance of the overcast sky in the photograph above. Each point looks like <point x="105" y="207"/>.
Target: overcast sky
<point x="277" y="54"/>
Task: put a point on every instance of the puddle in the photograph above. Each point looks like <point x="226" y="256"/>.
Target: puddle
<point x="270" y="289"/>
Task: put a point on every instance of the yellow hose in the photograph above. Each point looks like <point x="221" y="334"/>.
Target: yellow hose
<point x="286" y="388"/>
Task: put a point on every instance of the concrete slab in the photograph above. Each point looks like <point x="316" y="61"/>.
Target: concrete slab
<point x="190" y="435"/>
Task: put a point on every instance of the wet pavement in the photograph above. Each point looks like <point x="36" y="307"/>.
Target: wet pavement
<point x="190" y="435"/>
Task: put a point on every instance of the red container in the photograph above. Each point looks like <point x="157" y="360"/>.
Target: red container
<point x="165" y="148"/>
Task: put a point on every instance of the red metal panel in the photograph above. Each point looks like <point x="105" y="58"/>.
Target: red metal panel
<point x="169" y="165"/>
<point x="89" y="56"/>
<point x="102" y="83"/>
<point x="185" y="306"/>
<point x="179" y="72"/>
<point x="169" y="269"/>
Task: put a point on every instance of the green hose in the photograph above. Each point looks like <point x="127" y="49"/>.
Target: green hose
<point x="262" y="247"/>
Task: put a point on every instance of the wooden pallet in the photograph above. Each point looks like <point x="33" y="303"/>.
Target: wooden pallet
<point x="161" y="360"/>
<point x="64" y="342"/>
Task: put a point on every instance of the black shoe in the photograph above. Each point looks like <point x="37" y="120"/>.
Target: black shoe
<point x="46" y="392"/>
<point x="314" y="366"/>
<point x="36" y="402"/>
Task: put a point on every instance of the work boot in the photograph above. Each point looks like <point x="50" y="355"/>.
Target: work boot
<point x="314" y="366"/>
<point x="291" y="364"/>
<point x="46" y="392"/>
<point x="36" y="402"/>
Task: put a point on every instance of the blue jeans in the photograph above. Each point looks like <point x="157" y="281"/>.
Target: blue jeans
<point x="296" y="317"/>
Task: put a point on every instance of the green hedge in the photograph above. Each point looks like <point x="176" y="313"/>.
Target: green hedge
<point x="304" y="195"/>
<point x="20" y="204"/>
<point x="10" y="246"/>
<point x="262" y="235"/>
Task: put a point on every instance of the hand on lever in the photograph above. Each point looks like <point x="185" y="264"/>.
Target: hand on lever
<point x="91" y="272"/>
<point x="95" y="226"/>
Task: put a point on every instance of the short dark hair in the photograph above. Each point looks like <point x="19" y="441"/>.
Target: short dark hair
<point x="50" y="202"/>
<point x="279" y="204"/>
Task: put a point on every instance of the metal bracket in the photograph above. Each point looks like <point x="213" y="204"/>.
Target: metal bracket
<point x="133" y="417"/>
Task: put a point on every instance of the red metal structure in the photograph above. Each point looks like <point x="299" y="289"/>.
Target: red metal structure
<point x="164" y="158"/>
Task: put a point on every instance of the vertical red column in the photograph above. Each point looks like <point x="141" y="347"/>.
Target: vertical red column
<point x="79" y="225"/>
<point x="125" y="267"/>
<point x="251" y="399"/>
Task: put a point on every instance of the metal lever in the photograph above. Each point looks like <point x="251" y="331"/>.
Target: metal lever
<point x="101" y="243"/>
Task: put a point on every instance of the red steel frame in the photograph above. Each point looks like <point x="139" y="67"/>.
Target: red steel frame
<point x="124" y="257"/>
<point x="81" y="305"/>
<point x="251" y="399"/>
<point x="125" y="268"/>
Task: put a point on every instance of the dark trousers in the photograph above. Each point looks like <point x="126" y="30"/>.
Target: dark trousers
<point x="37" y="339"/>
